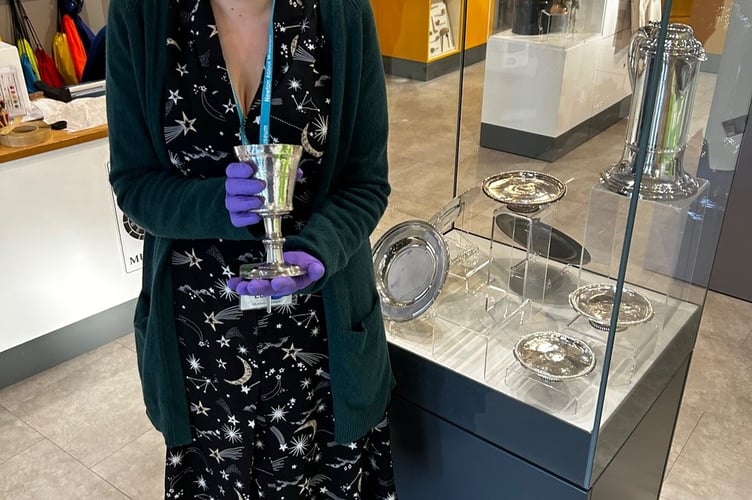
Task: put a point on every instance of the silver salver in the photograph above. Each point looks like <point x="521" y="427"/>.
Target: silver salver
<point x="596" y="302"/>
<point x="410" y="262"/>
<point x="524" y="190"/>
<point x="554" y="356"/>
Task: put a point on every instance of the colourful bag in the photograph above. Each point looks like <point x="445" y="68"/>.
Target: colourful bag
<point x="42" y="65"/>
<point x="77" y="51"/>
<point x="48" y="73"/>
<point x="28" y="73"/>
<point x="96" y="58"/>
<point x="63" y="60"/>
<point x="24" y="49"/>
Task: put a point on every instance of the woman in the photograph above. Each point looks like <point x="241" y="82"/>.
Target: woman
<point x="247" y="400"/>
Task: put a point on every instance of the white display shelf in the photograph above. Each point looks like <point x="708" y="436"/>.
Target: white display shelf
<point x="468" y="356"/>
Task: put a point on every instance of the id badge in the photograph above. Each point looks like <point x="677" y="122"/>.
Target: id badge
<point x="249" y="302"/>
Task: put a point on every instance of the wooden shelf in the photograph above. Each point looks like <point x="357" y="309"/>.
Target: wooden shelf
<point x="59" y="139"/>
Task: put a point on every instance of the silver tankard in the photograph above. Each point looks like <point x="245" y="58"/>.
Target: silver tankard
<point x="663" y="175"/>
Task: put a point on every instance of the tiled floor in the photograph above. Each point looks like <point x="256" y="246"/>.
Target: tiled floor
<point x="78" y="430"/>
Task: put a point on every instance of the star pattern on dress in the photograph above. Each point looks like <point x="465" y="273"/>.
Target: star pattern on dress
<point x="199" y="408"/>
<point x="291" y="352"/>
<point x="186" y="124"/>
<point x="212" y="321"/>
<point x="229" y="107"/>
<point x="214" y="453"/>
<point x="192" y="259"/>
<point x="174" y="96"/>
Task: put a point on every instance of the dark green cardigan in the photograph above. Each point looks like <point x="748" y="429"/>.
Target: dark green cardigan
<point x="351" y="199"/>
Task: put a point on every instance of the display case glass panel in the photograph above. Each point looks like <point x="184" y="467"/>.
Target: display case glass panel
<point x="640" y="124"/>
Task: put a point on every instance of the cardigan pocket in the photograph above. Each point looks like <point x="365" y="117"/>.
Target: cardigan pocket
<point x="365" y="362"/>
<point x="372" y="323"/>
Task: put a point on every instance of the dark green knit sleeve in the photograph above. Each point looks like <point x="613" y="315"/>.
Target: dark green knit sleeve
<point x="358" y="198"/>
<point x="163" y="203"/>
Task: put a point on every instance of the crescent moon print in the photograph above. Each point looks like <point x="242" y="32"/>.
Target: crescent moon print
<point x="307" y="145"/>
<point x="246" y="374"/>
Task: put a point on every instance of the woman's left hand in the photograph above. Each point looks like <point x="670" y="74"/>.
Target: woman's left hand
<point x="284" y="285"/>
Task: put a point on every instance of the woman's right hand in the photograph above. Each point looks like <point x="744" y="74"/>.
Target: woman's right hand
<point x="241" y="194"/>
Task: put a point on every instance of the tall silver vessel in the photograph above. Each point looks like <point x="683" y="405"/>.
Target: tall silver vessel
<point x="663" y="175"/>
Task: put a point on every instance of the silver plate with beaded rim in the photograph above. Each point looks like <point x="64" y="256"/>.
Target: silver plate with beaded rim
<point x="554" y="356"/>
<point x="596" y="303"/>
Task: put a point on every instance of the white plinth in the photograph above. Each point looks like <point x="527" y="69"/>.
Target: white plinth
<point x="547" y="85"/>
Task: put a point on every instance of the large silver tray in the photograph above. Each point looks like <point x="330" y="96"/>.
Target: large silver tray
<point x="524" y="190"/>
<point x="411" y="262"/>
<point x="596" y="302"/>
<point x="554" y="356"/>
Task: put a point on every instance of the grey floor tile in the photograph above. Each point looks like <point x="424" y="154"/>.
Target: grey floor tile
<point x="15" y="394"/>
<point x="128" y="341"/>
<point x="90" y="410"/>
<point x="726" y="319"/>
<point x="15" y="435"/>
<point x="138" y="468"/>
<point x="705" y="471"/>
<point x="720" y="377"/>
<point x="718" y="431"/>
<point x="45" y="472"/>
<point x="685" y="426"/>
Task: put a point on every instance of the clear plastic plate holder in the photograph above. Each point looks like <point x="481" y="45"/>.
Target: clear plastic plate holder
<point x="633" y="346"/>
<point x="520" y="260"/>
<point x="664" y="245"/>
<point x="461" y="348"/>
<point x="505" y="373"/>
<point x="466" y="260"/>
<point x="417" y="332"/>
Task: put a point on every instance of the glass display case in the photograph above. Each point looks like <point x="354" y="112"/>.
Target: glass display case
<point x="559" y="317"/>
<point x="554" y="74"/>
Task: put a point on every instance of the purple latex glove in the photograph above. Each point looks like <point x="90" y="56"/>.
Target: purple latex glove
<point x="241" y="192"/>
<point x="284" y="285"/>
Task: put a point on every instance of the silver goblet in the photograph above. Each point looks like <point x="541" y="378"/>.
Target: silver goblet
<point x="277" y="166"/>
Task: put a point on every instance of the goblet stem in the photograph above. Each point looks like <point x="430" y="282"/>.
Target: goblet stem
<point x="274" y="240"/>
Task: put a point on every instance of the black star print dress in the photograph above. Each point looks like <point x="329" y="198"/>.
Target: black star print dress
<point x="257" y="383"/>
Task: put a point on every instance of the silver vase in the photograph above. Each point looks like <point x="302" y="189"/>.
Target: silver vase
<point x="277" y="166"/>
<point x="663" y="175"/>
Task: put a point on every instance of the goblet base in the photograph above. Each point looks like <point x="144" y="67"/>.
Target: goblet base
<point x="269" y="270"/>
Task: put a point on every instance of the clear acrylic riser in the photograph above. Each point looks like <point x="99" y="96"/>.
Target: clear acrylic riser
<point x="664" y="246"/>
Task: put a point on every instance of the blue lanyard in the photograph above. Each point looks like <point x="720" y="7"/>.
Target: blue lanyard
<point x="266" y="92"/>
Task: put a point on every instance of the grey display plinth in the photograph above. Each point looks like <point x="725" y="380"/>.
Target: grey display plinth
<point x="455" y="438"/>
